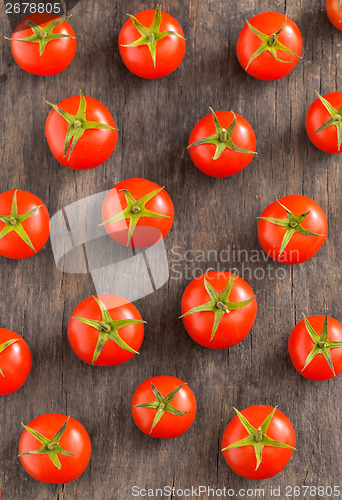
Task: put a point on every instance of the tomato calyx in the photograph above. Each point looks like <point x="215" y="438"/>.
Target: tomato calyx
<point x="219" y="303"/>
<point x="43" y="36"/>
<point x="14" y="221"/>
<point x="50" y="447"/>
<point x="4" y="346"/>
<point x="108" y="329"/>
<point x="134" y="211"/>
<point x="162" y="405"/>
<point x="335" y="119"/>
<point x="222" y="139"/>
<point x="322" y="344"/>
<point x="78" y="124"/>
<point x="270" y="43"/>
<point x="150" y="36"/>
<point x="257" y="437"/>
<point x="293" y="225"/>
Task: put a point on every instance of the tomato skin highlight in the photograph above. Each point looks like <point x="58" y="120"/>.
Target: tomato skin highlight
<point x="169" y="426"/>
<point x="299" y="249"/>
<point x="37" y="226"/>
<point x="265" y="67"/>
<point x="75" y="440"/>
<point x="317" y="115"/>
<point x="300" y="346"/>
<point x="170" y="51"/>
<point x="15" y="362"/>
<point x="234" y="327"/>
<point x="333" y="13"/>
<point x="230" y="162"/>
<point x="242" y="460"/>
<point x="83" y="338"/>
<point x="58" y="54"/>
<point x="94" y="147"/>
<point x="149" y="230"/>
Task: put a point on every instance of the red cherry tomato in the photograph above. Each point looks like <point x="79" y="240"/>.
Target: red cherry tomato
<point x="280" y="45"/>
<point x="137" y="213"/>
<point x="169" y="51"/>
<point x="105" y="330"/>
<point x="65" y="448"/>
<point x="57" y="53"/>
<point x="231" y="159"/>
<point x="94" y="147"/>
<point x="334" y="13"/>
<point x="15" y="361"/>
<point x="261" y="434"/>
<point x="297" y="243"/>
<point x="176" y="413"/>
<point x="317" y="357"/>
<point x="233" y="316"/>
<point x="24" y="224"/>
<point x="319" y="116"/>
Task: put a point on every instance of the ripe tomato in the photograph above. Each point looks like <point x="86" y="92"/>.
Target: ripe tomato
<point x="323" y="122"/>
<point x="315" y="347"/>
<point x="222" y="144"/>
<point x="269" y="46"/>
<point x="81" y="132"/>
<point x="137" y="213"/>
<point x="24" y="224"/>
<point x="334" y="11"/>
<point x="152" y="44"/>
<point x="218" y="309"/>
<point x="258" y="442"/>
<point x="163" y="407"/>
<point x="105" y="330"/>
<point x="15" y="361"/>
<point x="54" y="448"/>
<point x="292" y="230"/>
<point x="43" y="44"/>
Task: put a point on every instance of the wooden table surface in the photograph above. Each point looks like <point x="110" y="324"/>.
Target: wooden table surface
<point x="155" y="119"/>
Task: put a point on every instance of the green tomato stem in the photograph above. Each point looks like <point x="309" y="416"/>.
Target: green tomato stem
<point x="151" y="37"/>
<point x="52" y="445"/>
<point x="223" y="135"/>
<point x="221" y="305"/>
<point x="272" y="40"/>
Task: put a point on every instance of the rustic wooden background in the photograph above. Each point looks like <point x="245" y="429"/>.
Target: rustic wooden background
<point x="155" y="119"/>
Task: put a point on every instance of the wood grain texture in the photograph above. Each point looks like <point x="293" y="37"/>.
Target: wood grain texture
<point x="155" y="119"/>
